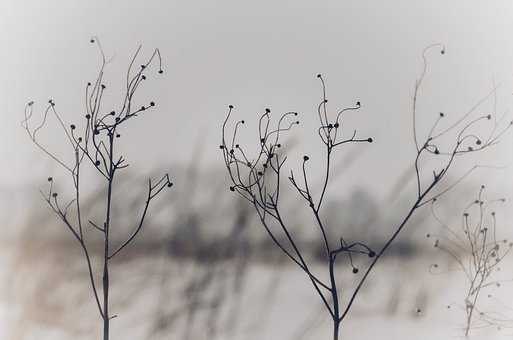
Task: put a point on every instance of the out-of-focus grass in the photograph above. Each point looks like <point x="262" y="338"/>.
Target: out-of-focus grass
<point x="193" y="275"/>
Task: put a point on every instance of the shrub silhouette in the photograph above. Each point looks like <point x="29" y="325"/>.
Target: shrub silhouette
<point x="258" y="178"/>
<point x="95" y="145"/>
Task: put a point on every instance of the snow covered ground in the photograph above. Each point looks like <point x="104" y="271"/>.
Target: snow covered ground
<point x="158" y="298"/>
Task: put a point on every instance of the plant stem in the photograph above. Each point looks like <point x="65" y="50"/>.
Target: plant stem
<point x="336" y="326"/>
<point x="106" y="318"/>
<point x="334" y="296"/>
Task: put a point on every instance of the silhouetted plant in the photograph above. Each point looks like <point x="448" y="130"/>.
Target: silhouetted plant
<point x="478" y="252"/>
<point x="258" y="179"/>
<point x="95" y="145"/>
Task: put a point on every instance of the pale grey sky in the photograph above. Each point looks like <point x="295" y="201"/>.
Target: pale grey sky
<point x="254" y="55"/>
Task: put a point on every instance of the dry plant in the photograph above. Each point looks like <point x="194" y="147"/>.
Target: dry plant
<point x="478" y="253"/>
<point x="258" y="178"/>
<point x="95" y="146"/>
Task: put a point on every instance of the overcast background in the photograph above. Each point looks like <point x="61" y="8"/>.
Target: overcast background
<point x="254" y="54"/>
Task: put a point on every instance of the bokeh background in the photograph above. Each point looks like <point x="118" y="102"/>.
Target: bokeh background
<point x="203" y="267"/>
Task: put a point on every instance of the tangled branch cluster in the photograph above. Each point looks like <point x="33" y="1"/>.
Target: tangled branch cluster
<point x="478" y="252"/>
<point x="258" y="179"/>
<point x="95" y="145"/>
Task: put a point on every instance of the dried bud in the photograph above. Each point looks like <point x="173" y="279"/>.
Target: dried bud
<point x="372" y="254"/>
<point x="232" y="188"/>
<point x="72" y="126"/>
<point x="54" y="194"/>
<point x="143" y="77"/>
<point x="97" y="163"/>
<point x="370" y="140"/>
<point x="88" y="116"/>
<point x="50" y="179"/>
<point x="161" y="71"/>
<point x="230" y="106"/>
<point x="305" y="158"/>
<point x="355" y="270"/>
<point x="152" y="103"/>
<point x="169" y="185"/>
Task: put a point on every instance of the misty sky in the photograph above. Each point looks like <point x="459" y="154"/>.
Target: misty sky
<point x="255" y="55"/>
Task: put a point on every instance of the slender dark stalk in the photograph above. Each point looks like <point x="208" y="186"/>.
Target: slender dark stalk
<point x="334" y="297"/>
<point x="106" y="284"/>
